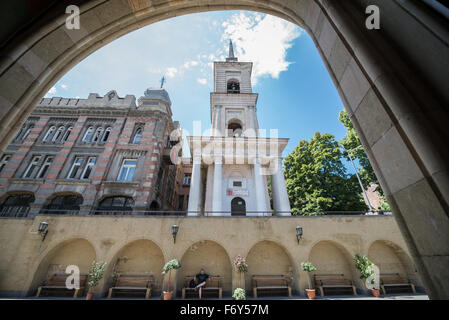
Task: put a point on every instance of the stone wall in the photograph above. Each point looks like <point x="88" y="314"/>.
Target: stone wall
<point x="144" y="244"/>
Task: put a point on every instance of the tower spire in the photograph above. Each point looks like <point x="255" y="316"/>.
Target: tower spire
<point x="231" y="53"/>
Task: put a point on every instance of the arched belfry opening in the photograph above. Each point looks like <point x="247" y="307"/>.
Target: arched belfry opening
<point x="233" y="86"/>
<point x="235" y="129"/>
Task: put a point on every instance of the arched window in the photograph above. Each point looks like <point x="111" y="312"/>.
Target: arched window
<point x="68" y="204"/>
<point x="27" y="132"/>
<point x="234" y="130"/>
<point x="115" y="205"/>
<point x="58" y="134"/>
<point x="67" y="134"/>
<point x="137" y="136"/>
<point x="106" y="134"/>
<point x="233" y="86"/>
<point x="88" y="134"/>
<point x="49" y="133"/>
<point x="16" y="205"/>
<point x="97" y="134"/>
<point x="238" y="207"/>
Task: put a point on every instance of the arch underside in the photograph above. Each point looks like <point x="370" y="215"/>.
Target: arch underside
<point x="395" y="99"/>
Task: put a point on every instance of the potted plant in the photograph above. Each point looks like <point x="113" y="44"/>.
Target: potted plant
<point x="95" y="275"/>
<point x="309" y="267"/>
<point x="365" y="266"/>
<point x="239" y="294"/>
<point x="172" y="264"/>
<point x="241" y="267"/>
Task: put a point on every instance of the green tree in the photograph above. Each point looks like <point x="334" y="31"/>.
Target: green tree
<point x="352" y="142"/>
<point x="317" y="180"/>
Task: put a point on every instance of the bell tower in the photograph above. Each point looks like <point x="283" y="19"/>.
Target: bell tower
<point x="233" y="104"/>
<point x="230" y="168"/>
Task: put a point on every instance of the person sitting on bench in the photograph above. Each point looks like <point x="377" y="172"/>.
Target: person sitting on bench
<point x="201" y="280"/>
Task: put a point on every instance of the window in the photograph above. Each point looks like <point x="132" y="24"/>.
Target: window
<point x="64" y="204"/>
<point x="19" y="133"/>
<point x="75" y="167"/>
<point x="32" y="167"/>
<point x="137" y="136"/>
<point x="187" y="179"/>
<point x="120" y="203"/>
<point x="181" y="202"/>
<point x="127" y="170"/>
<point x="49" y="133"/>
<point x="106" y="135"/>
<point x="67" y="134"/>
<point x="97" y="134"/>
<point x="88" y="168"/>
<point x="58" y="134"/>
<point x="44" y="169"/>
<point x="88" y="134"/>
<point x="16" y="205"/>
<point x="4" y="161"/>
<point x="27" y="132"/>
<point x="233" y="86"/>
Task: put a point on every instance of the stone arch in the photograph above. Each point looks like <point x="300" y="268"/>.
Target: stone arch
<point x="74" y="251"/>
<point x="210" y="256"/>
<point x="391" y="258"/>
<point x="267" y="257"/>
<point x="330" y="257"/>
<point x="373" y="85"/>
<point x="140" y="256"/>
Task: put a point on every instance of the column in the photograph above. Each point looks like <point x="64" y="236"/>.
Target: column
<point x="261" y="200"/>
<point x="252" y="117"/>
<point x="281" y="202"/>
<point x="217" y="192"/>
<point x="195" y="189"/>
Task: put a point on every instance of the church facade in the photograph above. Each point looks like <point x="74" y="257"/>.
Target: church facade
<point x="231" y="167"/>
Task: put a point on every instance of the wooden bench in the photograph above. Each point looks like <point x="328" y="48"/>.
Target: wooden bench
<point x="57" y="283"/>
<point x="276" y="283"/>
<point x="335" y="283"/>
<point x="213" y="284"/>
<point x="394" y="282"/>
<point x="132" y="283"/>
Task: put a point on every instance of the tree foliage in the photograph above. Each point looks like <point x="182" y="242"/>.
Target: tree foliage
<point x="351" y="141"/>
<point x="317" y="180"/>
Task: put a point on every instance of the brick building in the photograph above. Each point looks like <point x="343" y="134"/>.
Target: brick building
<point x="97" y="155"/>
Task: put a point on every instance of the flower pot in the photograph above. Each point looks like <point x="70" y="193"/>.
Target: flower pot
<point x="89" y="296"/>
<point x="375" y="292"/>
<point x="311" y="293"/>
<point x="168" y="295"/>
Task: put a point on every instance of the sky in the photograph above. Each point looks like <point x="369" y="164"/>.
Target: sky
<point x="296" y="93"/>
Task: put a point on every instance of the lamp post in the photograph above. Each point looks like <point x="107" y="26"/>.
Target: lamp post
<point x="358" y="177"/>
<point x="43" y="229"/>
<point x="298" y="233"/>
<point x="174" y="232"/>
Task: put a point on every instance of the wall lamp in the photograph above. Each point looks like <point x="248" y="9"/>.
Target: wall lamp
<point x="174" y="232"/>
<point x="298" y="233"/>
<point x="43" y="229"/>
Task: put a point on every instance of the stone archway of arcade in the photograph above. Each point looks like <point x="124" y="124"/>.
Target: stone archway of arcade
<point x="143" y="246"/>
<point x="394" y="90"/>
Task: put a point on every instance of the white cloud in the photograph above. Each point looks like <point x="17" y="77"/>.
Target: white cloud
<point x="171" y="72"/>
<point x="190" y="64"/>
<point x="264" y="40"/>
<point x="52" y="90"/>
<point x="64" y="86"/>
<point x="202" y="81"/>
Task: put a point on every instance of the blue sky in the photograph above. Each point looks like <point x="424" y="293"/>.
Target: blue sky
<point x="296" y="93"/>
